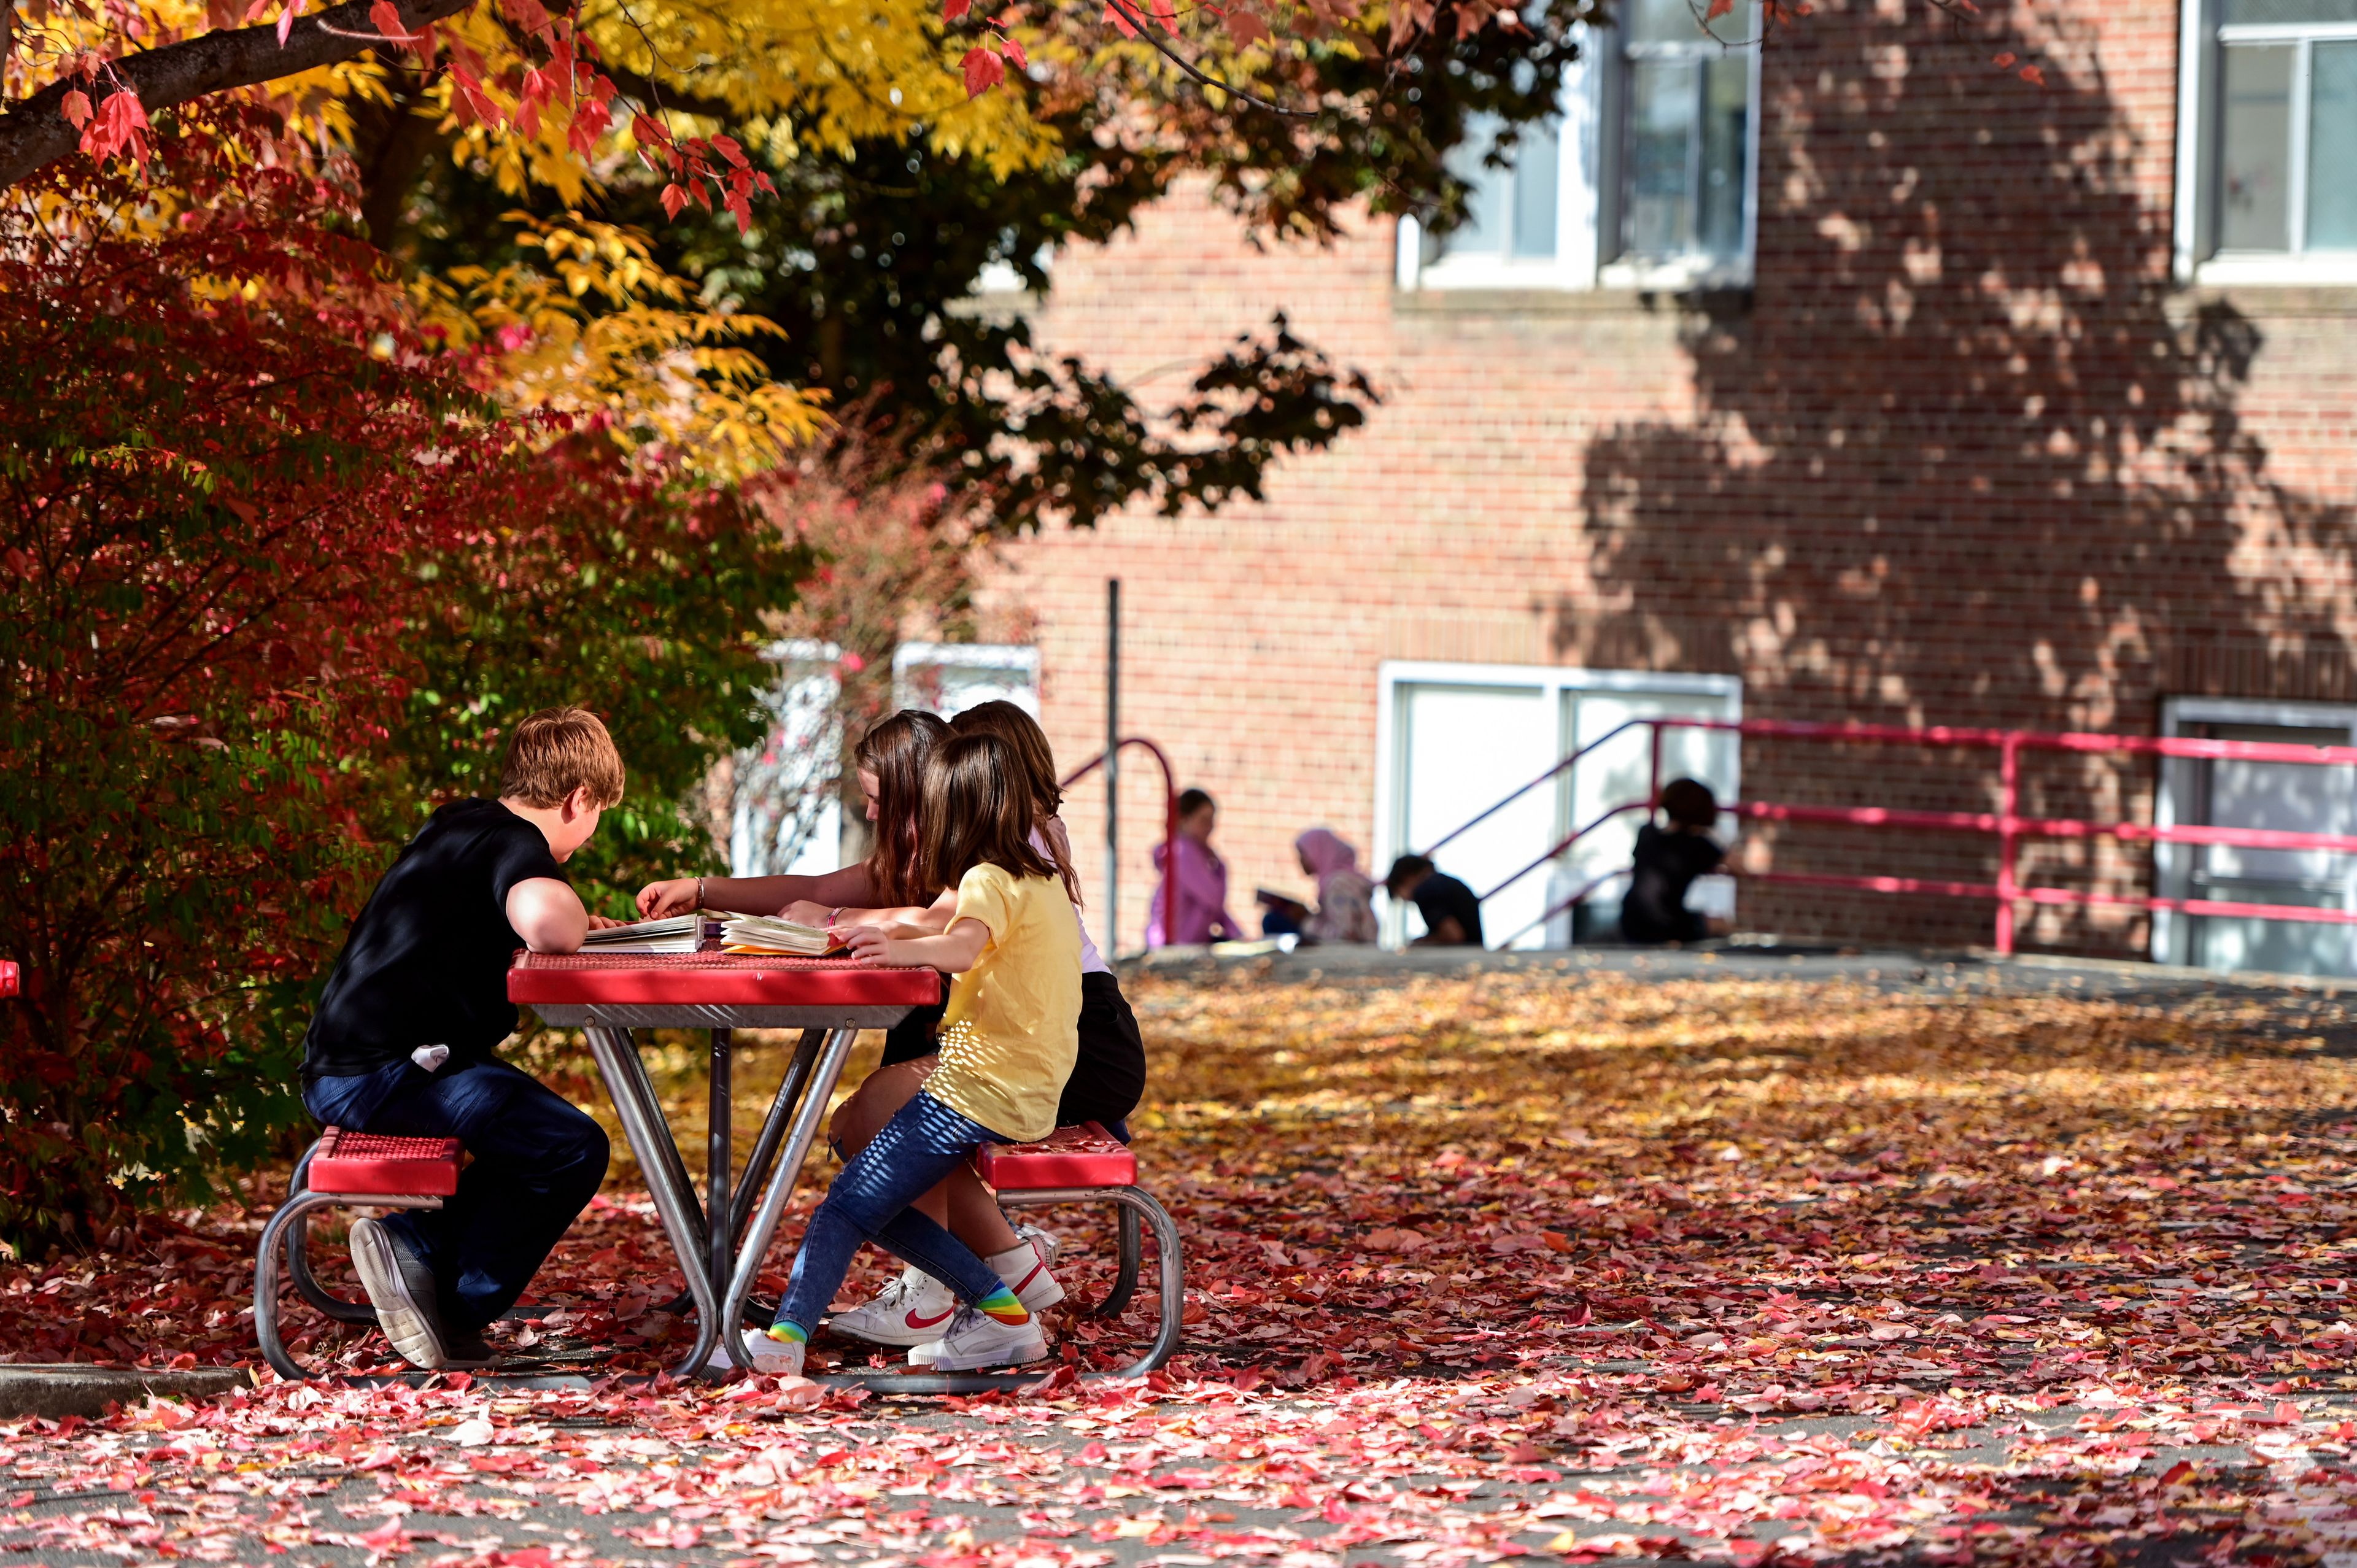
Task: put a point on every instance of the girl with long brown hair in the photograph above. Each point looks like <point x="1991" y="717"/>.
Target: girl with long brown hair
<point x="1107" y="1079"/>
<point x="1006" y="1047"/>
<point x="890" y="763"/>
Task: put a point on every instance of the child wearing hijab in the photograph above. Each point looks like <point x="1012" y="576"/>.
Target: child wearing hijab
<point x="1346" y="898"/>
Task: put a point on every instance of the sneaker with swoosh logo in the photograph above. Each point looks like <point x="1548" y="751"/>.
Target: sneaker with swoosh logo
<point x="913" y="1309"/>
<point x="917" y="1309"/>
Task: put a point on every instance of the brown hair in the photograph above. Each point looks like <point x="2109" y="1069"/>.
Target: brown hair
<point x="1032" y="753"/>
<point x="556" y="751"/>
<point x="979" y="811"/>
<point x="896" y="750"/>
<point x="1037" y="760"/>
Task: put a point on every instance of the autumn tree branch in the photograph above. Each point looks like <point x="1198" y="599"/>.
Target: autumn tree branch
<point x="35" y="133"/>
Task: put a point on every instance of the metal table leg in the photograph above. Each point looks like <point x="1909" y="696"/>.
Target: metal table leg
<point x="667" y="1180"/>
<point x="823" y="1079"/>
<point x="718" y="1159"/>
<point x="773" y="1130"/>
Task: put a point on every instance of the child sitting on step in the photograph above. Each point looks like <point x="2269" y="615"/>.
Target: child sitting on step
<point x="1007" y="1044"/>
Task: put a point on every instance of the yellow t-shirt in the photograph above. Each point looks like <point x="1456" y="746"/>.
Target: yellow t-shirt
<point x="1012" y="1027"/>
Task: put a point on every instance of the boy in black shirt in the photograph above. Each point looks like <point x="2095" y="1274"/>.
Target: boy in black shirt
<point x="1452" y="915"/>
<point x="1667" y="863"/>
<point x="402" y="1043"/>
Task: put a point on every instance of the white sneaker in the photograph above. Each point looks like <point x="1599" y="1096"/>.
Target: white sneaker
<point x="772" y="1357"/>
<point x="976" y="1339"/>
<point x="1025" y="1270"/>
<point x="914" y="1309"/>
<point x="1049" y="1244"/>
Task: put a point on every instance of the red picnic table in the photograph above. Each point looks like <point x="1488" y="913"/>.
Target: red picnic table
<point x="720" y="1242"/>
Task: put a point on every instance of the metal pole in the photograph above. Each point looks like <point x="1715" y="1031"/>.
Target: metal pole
<point x="2008" y="838"/>
<point x="717" y="1230"/>
<point x="1113" y="767"/>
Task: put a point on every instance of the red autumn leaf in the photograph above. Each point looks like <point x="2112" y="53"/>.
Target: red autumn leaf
<point x="1015" y="53"/>
<point x="984" y="70"/>
<point x="673" y="199"/>
<point x="76" y="108"/>
<point x="1718" y="8"/>
<point x="2033" y="75"/>
<point x="955" y="10"/>
<point x="1244" y="27"/>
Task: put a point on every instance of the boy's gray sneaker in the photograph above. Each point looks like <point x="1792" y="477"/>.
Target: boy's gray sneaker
<point x="401" y="1289"/>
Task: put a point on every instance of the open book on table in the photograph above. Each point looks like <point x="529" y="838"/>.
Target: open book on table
<point x="771" y="934"/>
<point x="678" y="933"/>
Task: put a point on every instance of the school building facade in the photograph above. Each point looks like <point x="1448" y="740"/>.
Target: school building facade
<point x="1851" y="378"/>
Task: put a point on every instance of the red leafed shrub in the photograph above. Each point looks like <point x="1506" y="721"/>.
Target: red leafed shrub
<point x="219" y="447"/>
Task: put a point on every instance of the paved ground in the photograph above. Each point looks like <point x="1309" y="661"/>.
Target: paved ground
<point x="2011" y="1449"/>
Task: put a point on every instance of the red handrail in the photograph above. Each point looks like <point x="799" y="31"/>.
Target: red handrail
<point x="1170" y="827"/>
<point x="2009" y="827"/>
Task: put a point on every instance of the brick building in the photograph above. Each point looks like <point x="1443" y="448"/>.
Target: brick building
<point x="1851" y="378"/>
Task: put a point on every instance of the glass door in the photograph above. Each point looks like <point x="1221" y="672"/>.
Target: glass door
<point x="2286" y="796"/>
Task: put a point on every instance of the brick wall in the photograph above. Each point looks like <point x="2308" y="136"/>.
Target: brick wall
<point x="1964" y="455"/>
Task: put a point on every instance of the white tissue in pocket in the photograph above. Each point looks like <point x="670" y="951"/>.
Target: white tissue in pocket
<point x="430" y="1058"/>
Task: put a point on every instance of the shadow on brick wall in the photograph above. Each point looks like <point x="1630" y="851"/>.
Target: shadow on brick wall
<point x="1965" y="456"/>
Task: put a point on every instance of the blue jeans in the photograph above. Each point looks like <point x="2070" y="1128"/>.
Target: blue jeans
<point x="924" y="1142"/>
<point x="537" y="1163"/>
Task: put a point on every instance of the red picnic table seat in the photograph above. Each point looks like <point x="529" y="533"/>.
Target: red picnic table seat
<point x="343" y="1169"/>
<point x="1088" y="1164"/>
<point x="1085" y="1156"/>
<point x="374" y="1163"/>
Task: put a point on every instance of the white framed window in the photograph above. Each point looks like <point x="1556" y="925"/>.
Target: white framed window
<point x="1454" y="739"/>
<point x="2295" y="797"/>
<point x="1647" y="177"/>
<point x="785" y="816"/>
<point x="948" y="678"/>
<point x="2266" y="150"/>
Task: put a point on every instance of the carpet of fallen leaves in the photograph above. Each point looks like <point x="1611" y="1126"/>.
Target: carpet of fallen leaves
<point x="1480" y="1267"/>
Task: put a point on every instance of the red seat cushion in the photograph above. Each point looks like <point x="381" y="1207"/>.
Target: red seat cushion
<point x="1085" y="1156"/>
<point x="374" y="1163"/>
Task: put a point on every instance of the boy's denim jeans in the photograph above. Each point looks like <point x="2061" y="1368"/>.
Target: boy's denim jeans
<point x="537" y="1163"/>
<point x="924" y="1142"/>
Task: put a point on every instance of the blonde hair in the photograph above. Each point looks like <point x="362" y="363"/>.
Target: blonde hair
<point x="556" y="751"/>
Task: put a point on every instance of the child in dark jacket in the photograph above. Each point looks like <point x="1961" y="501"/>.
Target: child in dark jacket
<point x="1667" y="862"/>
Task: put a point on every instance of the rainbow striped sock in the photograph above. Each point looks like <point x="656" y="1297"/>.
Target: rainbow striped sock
<point x="789" y="1332"/>
<point x="1003" y="1305"/>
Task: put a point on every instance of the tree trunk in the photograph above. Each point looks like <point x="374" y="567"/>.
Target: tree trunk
<point x="36" y="133"/>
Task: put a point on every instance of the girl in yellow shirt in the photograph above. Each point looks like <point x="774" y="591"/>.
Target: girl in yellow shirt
<point x="1008" y="1043"/>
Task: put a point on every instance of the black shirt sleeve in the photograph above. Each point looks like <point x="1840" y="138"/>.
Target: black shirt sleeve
<point x="520" y="857"/>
